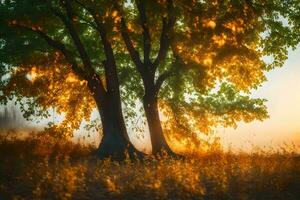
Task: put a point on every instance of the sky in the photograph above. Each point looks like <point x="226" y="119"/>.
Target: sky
<point x="282" y="90"/>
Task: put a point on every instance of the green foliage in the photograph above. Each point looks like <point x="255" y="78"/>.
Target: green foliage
<point x="211" y="43"/>
<point x="202" y="112"/>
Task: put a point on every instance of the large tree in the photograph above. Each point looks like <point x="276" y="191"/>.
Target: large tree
<point x="34" y="29"/>
<point x="184" y="49"/>
<point x="197" y="60"/>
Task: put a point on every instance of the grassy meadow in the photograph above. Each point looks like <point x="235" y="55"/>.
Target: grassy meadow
<point x="44" y="168"/>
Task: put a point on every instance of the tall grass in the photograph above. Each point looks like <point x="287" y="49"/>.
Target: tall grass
<point x="44" y="168"/>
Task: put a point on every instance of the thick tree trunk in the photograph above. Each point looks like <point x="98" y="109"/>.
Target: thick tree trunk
<point x="115" y="142"/>
<point x="158" y="141"/>
<point x="147" y="69"/>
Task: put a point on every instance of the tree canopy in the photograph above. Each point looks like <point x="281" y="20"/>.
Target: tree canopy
<point x="203" y="57"/>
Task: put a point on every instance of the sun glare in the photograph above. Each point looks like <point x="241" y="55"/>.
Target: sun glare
<point x="207" y="61"/>
<point x="32" y="74"/>
<point x="209" y="24"/>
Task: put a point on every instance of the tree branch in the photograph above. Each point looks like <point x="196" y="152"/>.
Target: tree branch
<point x="165" y="35"/>
<point x="171" y="72"/>
<point x="69" y="25"/>
<point x="134" y="54"/>
<point x="78" y="43"/>
<point x="146" y="34"/>
<point x="61" y="47"/>
<point x="84" y="21"/>
<point x="160" y="80"/>
<point x="58" y="46"/>
<point x="110" y="63"/>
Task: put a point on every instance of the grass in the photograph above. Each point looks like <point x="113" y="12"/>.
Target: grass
<point x="44" y="168"/>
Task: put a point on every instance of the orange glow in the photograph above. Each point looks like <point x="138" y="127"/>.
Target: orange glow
<point x="207" y="61"/>
<point x="71" y="78"/>
<point x="129" y="27"/>
<point x="60" y="88"/>
<point x="114" y="14"/>
<point x="209" y="24"/>
<point x="236" y="26"/>
<point x="220" y="40"/>
<point x="33" y="74"/>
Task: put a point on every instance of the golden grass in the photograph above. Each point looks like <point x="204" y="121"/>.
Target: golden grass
<point x="43" y="168"/>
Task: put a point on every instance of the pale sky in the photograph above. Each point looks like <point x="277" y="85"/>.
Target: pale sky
<point x="282" y="90"/>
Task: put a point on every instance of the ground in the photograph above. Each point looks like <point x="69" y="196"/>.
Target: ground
<point x="42" y="169"/>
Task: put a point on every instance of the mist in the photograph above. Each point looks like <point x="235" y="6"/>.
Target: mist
<point x="11" y="118"/>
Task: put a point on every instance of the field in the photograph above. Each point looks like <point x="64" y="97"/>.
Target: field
<point x="41" y="168"/>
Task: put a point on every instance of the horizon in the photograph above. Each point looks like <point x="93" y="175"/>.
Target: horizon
<point x="282" y="91"/>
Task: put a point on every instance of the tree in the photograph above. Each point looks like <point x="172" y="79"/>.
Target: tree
<point x="34" y="29"/>
<point x="184" y="49"/>
<point x="197" y="60"/>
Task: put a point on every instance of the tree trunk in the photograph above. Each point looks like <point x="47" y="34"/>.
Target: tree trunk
<point x="115" y="142"/>
<point x="158" y="141"/>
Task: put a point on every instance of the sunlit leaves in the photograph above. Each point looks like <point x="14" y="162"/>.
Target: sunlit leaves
<point x="51" y="81"/>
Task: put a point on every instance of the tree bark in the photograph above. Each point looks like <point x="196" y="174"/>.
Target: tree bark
<point x="147" y="69"/>
<point x="158" y="141"/>
<point x="115" y="142"/>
